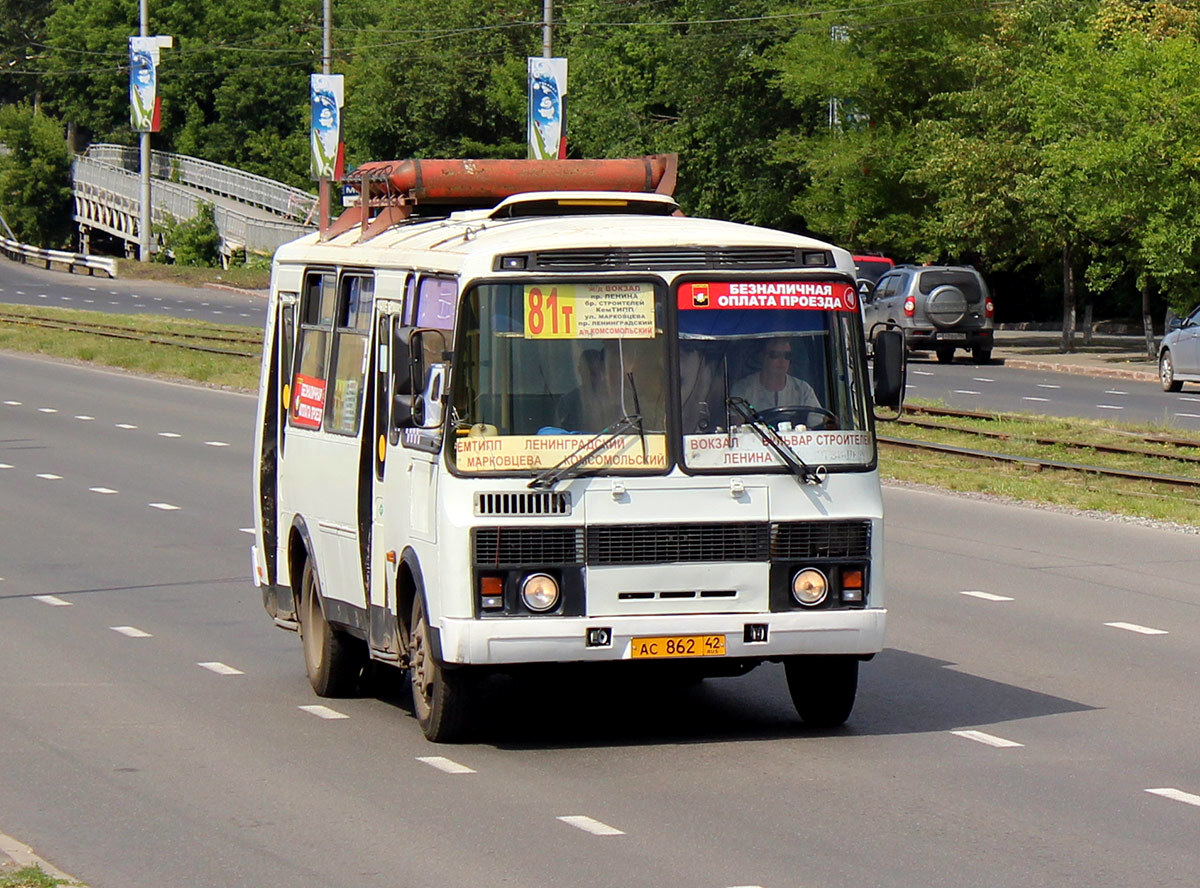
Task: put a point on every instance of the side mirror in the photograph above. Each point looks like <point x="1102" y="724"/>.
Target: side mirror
<point x="889" y="369"/>
<point x="1174" y="324"/>
<point x="427" y="349"/>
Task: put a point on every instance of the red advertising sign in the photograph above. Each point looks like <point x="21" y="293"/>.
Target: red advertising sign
<point x="308" y="402"/>
<point x="801" y="295"/>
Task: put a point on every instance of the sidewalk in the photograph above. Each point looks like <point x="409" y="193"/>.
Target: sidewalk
<point x="16" y="856"/>
<point x="1110" y="355"/>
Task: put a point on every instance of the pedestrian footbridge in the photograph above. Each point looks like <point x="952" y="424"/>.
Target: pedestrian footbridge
<point x="253" y="213"/>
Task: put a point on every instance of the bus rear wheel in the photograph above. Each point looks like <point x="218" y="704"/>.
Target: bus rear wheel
<point x="441" y="696"/>
<point x="332" y="658"/>
<point x="822" y="688"/>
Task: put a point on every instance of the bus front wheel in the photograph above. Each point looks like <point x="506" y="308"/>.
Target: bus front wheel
<point x="822" y="688"/>
<point x="332" y="658"/>
<point x="441" y="696"/>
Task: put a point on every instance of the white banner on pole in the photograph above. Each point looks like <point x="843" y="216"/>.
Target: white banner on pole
<point x="547" y="108"/>
<point x="326" y="97"/>
<point x="144" y="105"/>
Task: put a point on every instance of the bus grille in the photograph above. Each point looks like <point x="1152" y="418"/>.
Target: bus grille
<point x="820" y="539"/>
<point x="671" y="543"/>
<point x="497" y="547"/>
<point x="530" y="503"/>
<point x="666" y="259"/>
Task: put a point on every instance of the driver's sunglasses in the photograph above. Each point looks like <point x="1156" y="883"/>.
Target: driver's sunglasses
<point x="779" y="354"/>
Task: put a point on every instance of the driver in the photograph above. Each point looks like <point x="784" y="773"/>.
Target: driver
<point x="772" y="386"/>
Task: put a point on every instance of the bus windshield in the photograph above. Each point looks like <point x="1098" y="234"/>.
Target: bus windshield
<point x="772" y="359"/>
<point x="554" y="373"/>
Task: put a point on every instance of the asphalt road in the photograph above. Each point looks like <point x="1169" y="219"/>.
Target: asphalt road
<point x="29" y="285"/>
<point x="996" y="387"/>
<point x="152" y="732"/>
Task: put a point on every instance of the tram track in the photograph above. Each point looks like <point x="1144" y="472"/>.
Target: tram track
<point x="200" y="342"/>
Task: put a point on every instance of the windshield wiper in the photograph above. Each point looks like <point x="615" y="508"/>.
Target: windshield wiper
<point x="801" y="470"/>
<point x="568" y="464"/>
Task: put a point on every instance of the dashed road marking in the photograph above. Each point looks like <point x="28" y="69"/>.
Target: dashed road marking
<point x="988" y="739"/>
<point x="249" y="530"/>
<point x="323" y="712"/>
<point x="1027" y="398"/>
<point x="83" y="417"/>
<point x="12" y="403"/>
<point x="587" y="824"/>
<point x="1189" y="415"/>
<point x="220" y="668"/>
<point x="964" y="392"/>
<point x="922" y="373"/>
<point x="444" y="764"/>
<point x="47" y="410"/>
<point x="986" y="596"/>
<point x="981" y="379"/>
<point x="1115" y="392"/>
<point x="166" y="507"/>
<point x="1108" y="407"/>
<point x="1185" y="398"/>
<point x="1176" y="795"/>
<point x="1046" y="385"/>
<point x="130" y="631"/>
<point x="104" y="490"/>
<point x="169" y="435"/>
<point x="216" y="443"/>
<point x="5" y="466"/>
<point x="50" y="476"/>
<point x="52" y="600"/>
<point x="125" y="425"/>
<point x="1134" y="627"/>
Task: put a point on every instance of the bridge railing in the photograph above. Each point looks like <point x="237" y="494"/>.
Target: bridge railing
<point x="259" y="191"/>
<point x="113" y="185"/>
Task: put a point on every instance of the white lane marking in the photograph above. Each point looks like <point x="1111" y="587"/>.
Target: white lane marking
<point x="1185" y="398"/>
<point x="1115" y="392"/>
<point x="52" y="600"/>
<point x="216" y="443"/>
<point x="189" y="309"/>
<point x="1034" y="399"/>
<point x="166" y="507"/>
<point x="218" y="312"/>
<point x="169" y="435"/>
<point x="13" y="403"/>
<point x="5" y="466"/>
<point x="922" y="373"/>
<point x="964" y="392"/>
<point x="105" y="490"/>
<point x="47" y="410"/>
<point x="93" y="289"/>
<point x="1189" y="415"/>
<point x="444" y="764"/>
<point x="50" y="476"/>
<point x="249" y="530"/>
<point x="1108" y="407"/>
<point x="1134" y="627"/>
<point x="125" y="425"/>
<point x="1045" y="385"/>
<point x="1176" y="795"/>
<point x="986" y="596"/>
<point x="89" y="300"/>
<point x="66" y="298"/>
<point x="988" y="739"/>
<point x="114" y="303"/>
<point x="83" y="417"/>
<point x="42" y="296"/>
<point x="981" y="379"/>
<point x="323" y="712"/>
<point x="130" y="631"/>
<point x="587" y="824"/>
<point x="220" y="668"/>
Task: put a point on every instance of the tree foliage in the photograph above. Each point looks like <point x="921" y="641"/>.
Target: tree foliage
<point x="35" y="177"/>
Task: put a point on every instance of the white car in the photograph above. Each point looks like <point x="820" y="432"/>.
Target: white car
<point x="1179" y="353"/>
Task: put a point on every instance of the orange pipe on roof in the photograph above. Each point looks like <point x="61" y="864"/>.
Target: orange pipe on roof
<point x="465" y="181"/>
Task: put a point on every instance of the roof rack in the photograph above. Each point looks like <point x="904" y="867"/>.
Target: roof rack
<point x="390" y="190"/>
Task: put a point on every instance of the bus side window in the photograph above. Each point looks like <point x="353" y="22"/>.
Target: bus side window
<point x="437" y="299"/>
<point x="316" y="323"/>
<point x="352" y="328"/>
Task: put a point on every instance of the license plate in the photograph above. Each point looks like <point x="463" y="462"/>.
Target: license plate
<point x="662" y="646"/>
<point x="954" y="336"/>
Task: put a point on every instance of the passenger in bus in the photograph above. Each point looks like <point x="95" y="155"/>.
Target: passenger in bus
<point x="570" y="414"/>
<point x="772" y="385"/>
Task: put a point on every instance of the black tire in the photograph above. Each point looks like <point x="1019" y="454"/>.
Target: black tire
<point x="981" y="355"/>
<point x="333" y="659"/>
<point x="945" y="355"/>
<point x="823" y="688"/>
<point x="442" y="698"/>
<point x="1166" y="372"/>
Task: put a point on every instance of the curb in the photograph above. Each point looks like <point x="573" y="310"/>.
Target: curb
<point x="23" y="856"/>
<point x="1082" y="369"/>
<point x="260" y="293"/>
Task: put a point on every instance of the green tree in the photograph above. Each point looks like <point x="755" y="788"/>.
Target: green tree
<point x="35" y="177"/>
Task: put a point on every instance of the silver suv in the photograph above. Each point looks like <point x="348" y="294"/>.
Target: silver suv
<point x="939" y="307"/>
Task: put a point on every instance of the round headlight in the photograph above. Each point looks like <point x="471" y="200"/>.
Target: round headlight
<point x="809" y="587"/>
<point x="539" y="592"/>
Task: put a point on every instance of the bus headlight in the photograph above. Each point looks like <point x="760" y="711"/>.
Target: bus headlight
<point x="809" y="587"/>
<point x="539" y="592"/>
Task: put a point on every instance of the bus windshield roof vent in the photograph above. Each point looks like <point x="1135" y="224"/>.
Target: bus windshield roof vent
<point x="678" y="258"/>
<point x="580" y="203"/>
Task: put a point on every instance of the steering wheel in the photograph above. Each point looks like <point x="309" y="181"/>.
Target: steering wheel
<point x="796" y="414"/>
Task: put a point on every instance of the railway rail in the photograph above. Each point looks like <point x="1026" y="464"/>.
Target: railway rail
<point x="189" y="341"/>
<point x="1177" y="457"/>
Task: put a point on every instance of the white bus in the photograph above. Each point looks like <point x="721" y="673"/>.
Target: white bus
<point x="569" y="427"/>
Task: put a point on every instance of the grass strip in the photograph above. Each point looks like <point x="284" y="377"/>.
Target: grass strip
<point x="154" y="359"/>
<point x="31" y="877"/>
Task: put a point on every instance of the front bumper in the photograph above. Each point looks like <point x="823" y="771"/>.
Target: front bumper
<point x="553" y="639"/>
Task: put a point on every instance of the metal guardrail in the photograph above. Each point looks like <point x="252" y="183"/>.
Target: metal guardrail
<point x="104" y="191"/>
<point x="74" y="261"/>
<point x="258" y="191"/>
